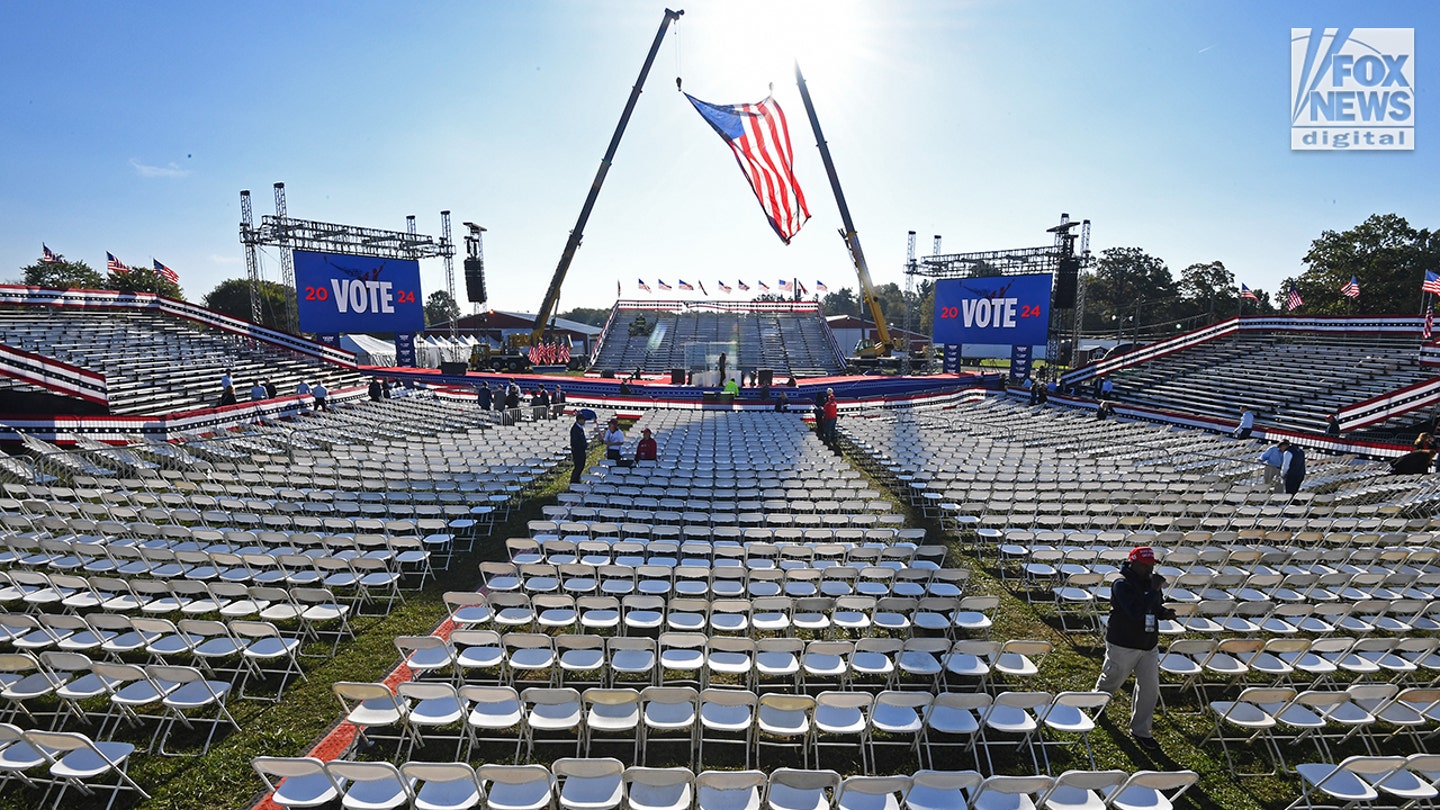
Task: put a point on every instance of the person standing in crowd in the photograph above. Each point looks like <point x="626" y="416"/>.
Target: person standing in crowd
<point x="542" y="402"/>
<point x="1292" y="466"/>
<point x="1105" y="411"/>
<point x="227" y="397"/>
<point x="646" y="449"/>
<point x="484" y="396"/>
<point x="226" y="382"/>
<point x="1270" y="462"/>
<point x="1247" y="423"/>
<point x="512" y="397"/>
<point x="614" y="439"/>
<point x="257" y="392"/>
<point x="385" y="386"/>
<point x="319" y="393"/>
<point x="1107" y="388"/>
<point x="374" y="390"/>
<point x="270" y="390"/>
<point x="782" y="402"/>
<point x="1132" y="638"/>
<point x="579" y="447"/>
<point x="732" y="387"/>
<point x="1332" y="425"/>
<point x="830" y="414"/>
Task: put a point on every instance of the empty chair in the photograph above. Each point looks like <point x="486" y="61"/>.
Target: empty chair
<point x="1073" y="713"/>
<point x="371" y="705"/>
<point x="726" y="716"/>
<point x="517" y="787"/>
<point x="557" y="712"/>
<point x="371" y="785"/>
<point x="1081" y="790"/>
<point x="785" y="720"/>
<point x="1150" y="790"/>
<point x="191" y="692"/>
<point x="658" y="788"/>
<point x="665" y="710"/>
<point x="611" y="713"/>
<point x="941" y="790"/>
<point x="297" y="781"/>
<point x="793" y="789"/>
<point x="495" y="714"/>
<point x="872" y="792"/>
<point x="1009" y="792"/>
<point x="589" y="784"/>
<point x="729" y="790"/>
<point x="443" y="785"/>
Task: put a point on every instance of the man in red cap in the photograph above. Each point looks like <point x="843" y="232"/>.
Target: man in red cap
<point x="1132" y="639"/>
<point x="646" y="449"/>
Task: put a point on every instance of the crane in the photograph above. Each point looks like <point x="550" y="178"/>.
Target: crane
<point x="883" y="346"/>
<point x="547" y="307"/>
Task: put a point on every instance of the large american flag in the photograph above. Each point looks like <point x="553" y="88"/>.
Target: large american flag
<point x="170" y="275"/>
<point x="47" y="255"/>
<point x="1293" y="299"/>
<point x="1352" y="290"/>
<point x="820" y="286"/>
<point x="760" y="138"/>
<point x="1432" y="283"/>
<point x="114" y="265"/>
<point x="725" y="288"/>
<point x="1246" y="292"/>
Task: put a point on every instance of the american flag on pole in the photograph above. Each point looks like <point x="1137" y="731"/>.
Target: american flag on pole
<point x="1429" y="323"/>
<point x="1293" y="299"/>
<point x="743" y="286"/>
<point x="725" y="288"/>
<point x="169" y="275"/>
<point x="644" y="286"/>
<point x="1351" y="290"/>
<point x="820" y="286"/>
<point x="659" y="282"/>
<point x="685" y="285"/>
<point x="1246" y="292"/>
<point x="800" y="288"/>
<point x="762" y="285"/>
<point x="760" y="138"/>
<point x="1432" y="283"/>
<point x="114" y="265"/>
<point x="784" y="284"/>
<point x="47" y="255"/>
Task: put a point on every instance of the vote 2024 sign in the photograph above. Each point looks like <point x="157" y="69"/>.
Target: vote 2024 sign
<point x="1008" y="310"/>
<point x="340" y="293"/>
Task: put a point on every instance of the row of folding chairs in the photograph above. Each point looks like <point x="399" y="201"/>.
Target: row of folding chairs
<point x="40" y="758"/>
<point x="597" y="527"/>
<point x="755" y="552"/>
<point x="473" y="715"/>
<point x="1196" y="664"/>
<point x="310" y="614"/>
<point x="701" y="659"/>
<point x="171" y="695"/>
<point x="1369" y="781"/>
<point x="647" y="614"/>
<point x="668" y="522"/>
<point x="607" y="784"/>
<point x="392" y="554"/>
<point x="697" y="579"/>
<point x="1273" y="719"/>
<point x="359" y="581"/>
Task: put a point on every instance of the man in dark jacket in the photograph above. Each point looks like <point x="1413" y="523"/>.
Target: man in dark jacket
<point x="1292" y="466"/>
<point x="1132" y="637"/>
<point x="579" y="447"/>
<point x="484" y="396"/>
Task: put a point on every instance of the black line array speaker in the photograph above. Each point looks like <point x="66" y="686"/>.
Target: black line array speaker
<point x="475" y="280"/>
<point x="677" y="376"/>
<point x="1066" y="280"/>
<point x="767" y="376"/>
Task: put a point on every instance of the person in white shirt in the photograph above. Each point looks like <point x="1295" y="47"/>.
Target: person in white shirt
<point x="319" y="393"/>
<point x="614" y="440"/>
<point x="257" y="392"/>
<point x="1247" y="422"/>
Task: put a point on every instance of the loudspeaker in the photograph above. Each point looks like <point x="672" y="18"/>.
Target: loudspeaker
<point x="475" y="280"/>
<point x="1066" y="280"/>
<point x="767" y="376"/>
<point x="677" y="376"/>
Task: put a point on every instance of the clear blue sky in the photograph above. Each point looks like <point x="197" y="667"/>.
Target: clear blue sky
<point x="132" y="127"/>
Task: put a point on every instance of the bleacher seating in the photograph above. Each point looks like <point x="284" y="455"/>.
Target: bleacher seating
<point x="1292" y="380"/>
<point x="155" y="364"/>
<point x="790" y="343"/>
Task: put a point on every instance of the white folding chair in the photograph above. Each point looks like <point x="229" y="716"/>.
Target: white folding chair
<point x="79" y="761"/>
<point x="443" y="785"/>
<point x="371" y="785"/>
<point x="794" y="789"/>
<point x="589" y="784"/>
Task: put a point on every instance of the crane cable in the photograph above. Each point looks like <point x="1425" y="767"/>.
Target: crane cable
<point x="679" y="55"/>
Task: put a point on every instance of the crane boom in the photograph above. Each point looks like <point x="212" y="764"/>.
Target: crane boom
<point x="578" y="232"/>
<point x="852" y="239"/>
